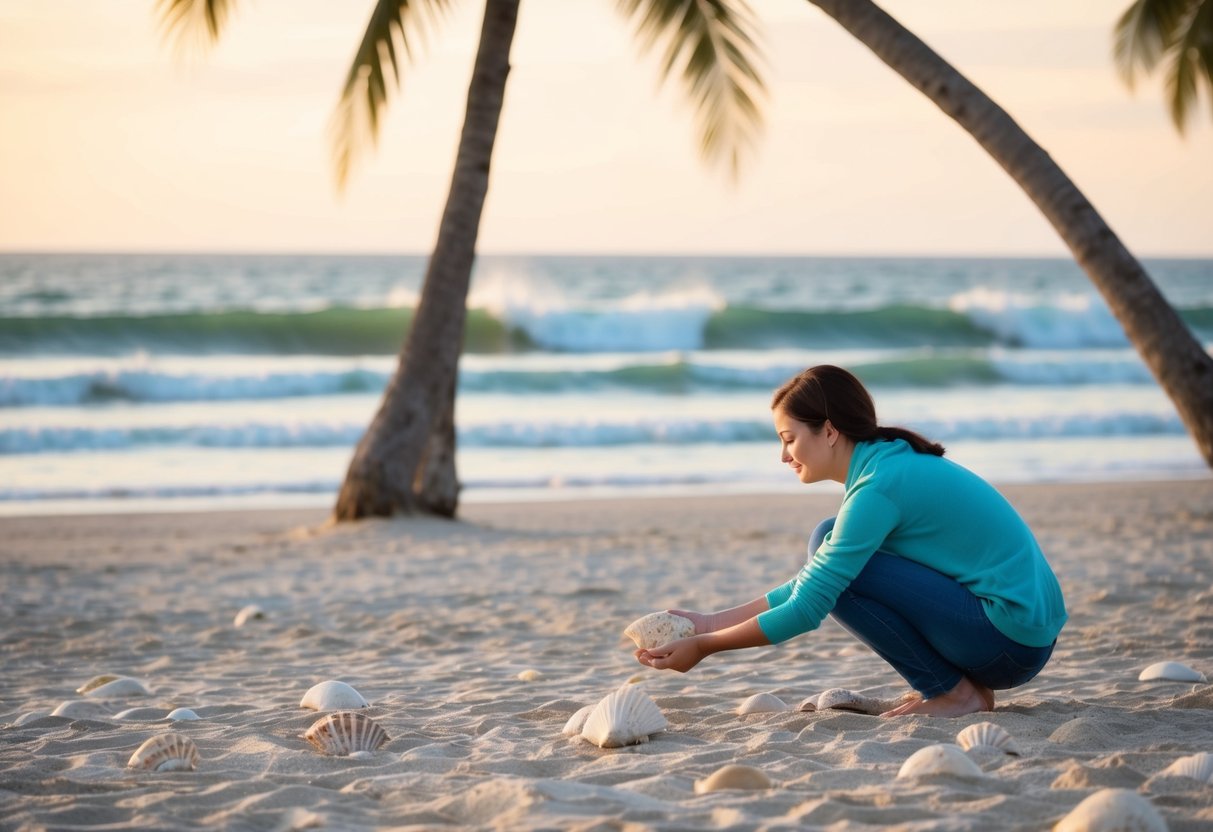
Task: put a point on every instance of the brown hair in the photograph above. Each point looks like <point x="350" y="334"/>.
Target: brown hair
<point x="828" y="392"/>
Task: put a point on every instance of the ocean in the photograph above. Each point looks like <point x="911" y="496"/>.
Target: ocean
<point x="156" y="382"/>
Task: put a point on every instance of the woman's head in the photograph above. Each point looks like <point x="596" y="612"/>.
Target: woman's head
<point x="826" y="393"/>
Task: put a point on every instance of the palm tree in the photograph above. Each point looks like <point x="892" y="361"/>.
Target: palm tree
<point x="1181" y="31"/>
<point x="405" y="462"/>
<point x="1176" y="358"/>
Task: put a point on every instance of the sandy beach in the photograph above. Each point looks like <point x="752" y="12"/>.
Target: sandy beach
<point x="437" y="623"/>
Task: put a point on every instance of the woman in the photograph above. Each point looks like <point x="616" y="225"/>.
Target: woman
<point x="926" y="563"/>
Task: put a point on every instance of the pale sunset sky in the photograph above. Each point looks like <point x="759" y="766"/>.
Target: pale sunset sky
<point x="109" y="141"/>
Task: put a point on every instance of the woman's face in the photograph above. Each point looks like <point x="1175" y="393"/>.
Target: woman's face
<point x="809" y="455"/>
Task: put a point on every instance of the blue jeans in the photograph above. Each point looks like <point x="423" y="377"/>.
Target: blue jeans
<point x="929" y="627"/>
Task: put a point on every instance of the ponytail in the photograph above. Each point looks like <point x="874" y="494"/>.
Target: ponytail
<point x="831" y="393"/>
<point x="917" y="441"/>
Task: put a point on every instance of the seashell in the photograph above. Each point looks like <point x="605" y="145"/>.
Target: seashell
<point x="122" y="686"/>
<point x="80" y="709"/>
<point x="178" y="714"/>
<point x="987" y="735"/>
<point x="166" y="752"/>
<point x="733" y="777"/>
<point x="97" y="681"/>
<point x="332" y="696"/>
<point x="841" y="699"/>
<point x="1197" y="766"/>
<point x="624" y="717"/>
<point x="577" y="721"/>
<point x="762" y="703"/>
<point x="141" y="714"/>
<point x="250" y="613"/>
<point x="346" y="733"/>
<point x="943" y="758"/>
<point x="530" y="676"/>
<point x="1113" y="810"/>
<point x="26" y="718"/>
<point x="1171" y="672"/>
<point x="658" y="628"/>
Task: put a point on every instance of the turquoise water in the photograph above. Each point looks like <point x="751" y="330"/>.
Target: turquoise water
<point x="174" y="381"/>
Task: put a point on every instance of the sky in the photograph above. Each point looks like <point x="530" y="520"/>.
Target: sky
<point x="110" y="140"/>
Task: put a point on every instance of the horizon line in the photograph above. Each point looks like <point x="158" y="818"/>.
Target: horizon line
<point x="715" y="255"/>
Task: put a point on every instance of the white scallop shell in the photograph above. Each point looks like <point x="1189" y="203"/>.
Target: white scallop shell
<point x="658" y="628"/>
<point x="97" y="681"/>
<point x="987" y="735"/>
<point x="345" y="733"/>
<point x="250" y="613"/>
<point x="841" y="699"/>
<point x="762" y="703"/>
<point x="577" y="721"/>
<point x="943" y="758"/>
<point x="178" y="714"/>
<point x="121" y="686"/>
<point x="166" y="752"/>
<point x="1197" y="766"/>
<point x="80" y="709"/>
<point x="1113" y="810"/>
<point x="624" y="717"/>
<point x="1171" y="672"/>
<point x="530" y="675"/>
<point x="733" y="777"/>
<point x="332" y="696"/>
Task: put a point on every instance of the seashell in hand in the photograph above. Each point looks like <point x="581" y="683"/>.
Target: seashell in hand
<point x="121" y="686"/>
<point x="332" y="696"/>
<point x="250" y="613"/>
<point x="346" y="733"/>
<point x="987" y="735"/>
<point x="762" y="703"/>
<point x="658" y="628"/>
<point x="97" y="681"/>
<point x="1197" y="766"/>
<point x="733" y="777"/>
<point x="166" y="752"/>
<point x="577" y="721"/>
<point x="1171" y="672"/>
<point x="1113" y="810"/>
<point x="939" y="759"/>
<point x="625" y="717"/>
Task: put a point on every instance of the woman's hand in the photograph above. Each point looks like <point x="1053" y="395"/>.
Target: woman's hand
<point x="704" y="622"/>
<point x="680" y="655"/>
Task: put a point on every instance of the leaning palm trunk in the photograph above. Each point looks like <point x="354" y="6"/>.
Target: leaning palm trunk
<point x="405" y="462"/>
<point x="1179" y="362"/>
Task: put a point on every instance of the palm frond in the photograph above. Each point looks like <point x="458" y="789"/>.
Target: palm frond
<point x="194" y="21"/>
<point x="1144" y="33"/>
<point x="394" y="25"/>
<point x="1191" y="63"/>
<point x="711" y="44"/>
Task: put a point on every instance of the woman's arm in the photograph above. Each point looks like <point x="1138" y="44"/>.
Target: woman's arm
<point x="713" y="621"/>
<point x="685" y="653"/>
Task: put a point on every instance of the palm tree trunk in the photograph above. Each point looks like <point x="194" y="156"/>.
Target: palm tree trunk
<point x="405" y="462"/>
<point x="1178" y="361"/>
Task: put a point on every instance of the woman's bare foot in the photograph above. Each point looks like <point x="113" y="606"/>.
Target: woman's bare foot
<point x="966" y="698"/>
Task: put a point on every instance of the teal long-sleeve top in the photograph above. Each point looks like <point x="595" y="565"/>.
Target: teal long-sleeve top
<point x="932" y="511"/>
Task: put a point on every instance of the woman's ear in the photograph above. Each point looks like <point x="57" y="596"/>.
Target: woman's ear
<point x="831" y="433"/>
